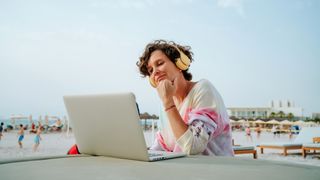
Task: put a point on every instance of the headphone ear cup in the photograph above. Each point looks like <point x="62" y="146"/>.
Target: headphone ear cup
<point x="152" y="82"/>
<point x="181" y="65"/>
<point x="183" y="62"/>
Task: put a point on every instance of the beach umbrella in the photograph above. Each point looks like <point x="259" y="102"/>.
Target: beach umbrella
<point x="145" y="116"/>
<point x="259" y="121"/>
<point x="273" y="121"/>
<point x="286" y="122"/>
<point x="241" y="121"/>
<point x="299" y="122"/>
<point x="232" y="121"/>
<point x="154" y="117"/>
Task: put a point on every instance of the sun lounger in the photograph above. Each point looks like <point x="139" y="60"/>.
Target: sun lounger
<point x="309" y="147"/>
<point x="238" y="149"/>
<point x="245" y="150"/>
<point x="305" y="136"/>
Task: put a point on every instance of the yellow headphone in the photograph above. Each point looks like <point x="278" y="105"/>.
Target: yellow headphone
<point x="183" y="63"/>
<point x="152" y="82"/>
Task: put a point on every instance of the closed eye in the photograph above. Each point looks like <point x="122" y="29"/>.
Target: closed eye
<point x="158" y="63"/>
<point x="150" y="70"/>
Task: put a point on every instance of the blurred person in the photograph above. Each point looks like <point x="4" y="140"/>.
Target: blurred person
<point x="1" y="130"/>
<point x="258" y="130"/>
<point x="274" y="131"/>
<point x="248" y="133"/>
<point x="290" y="133"/>
<point x="21" y="135"/>
<point x="37" y="139"/>
<point x="33" y="128"/>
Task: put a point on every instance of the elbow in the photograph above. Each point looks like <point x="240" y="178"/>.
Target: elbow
<point x="193" y="145"/>
<point x="198" y="148"/>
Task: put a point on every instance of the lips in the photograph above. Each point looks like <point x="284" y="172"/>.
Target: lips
<point x="160" y="78"/>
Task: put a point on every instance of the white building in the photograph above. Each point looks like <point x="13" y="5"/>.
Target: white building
<point x="286" y="107"/>
<point x="263" y="112"/>
<point x="247" y="112"/>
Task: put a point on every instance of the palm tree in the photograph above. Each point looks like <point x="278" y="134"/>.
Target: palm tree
<point x="290" y="116"/>
<point x="272" y="115"/>
<point x="317" y="119"/>
<point x="281" y="114"/>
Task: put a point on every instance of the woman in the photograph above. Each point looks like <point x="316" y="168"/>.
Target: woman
<point x="193" y="119"/>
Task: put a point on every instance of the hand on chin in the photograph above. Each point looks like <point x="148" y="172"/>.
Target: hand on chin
<point x="165" y="89"/>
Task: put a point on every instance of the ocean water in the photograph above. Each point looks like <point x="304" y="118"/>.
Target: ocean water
<point x="23" y="121"/>
<point x="26" y="122"/>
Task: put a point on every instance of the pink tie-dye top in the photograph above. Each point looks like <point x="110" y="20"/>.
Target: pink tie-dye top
<point x="209" y="130"/>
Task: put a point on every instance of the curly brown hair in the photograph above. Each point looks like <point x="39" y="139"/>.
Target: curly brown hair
<point x="168" y="48"/>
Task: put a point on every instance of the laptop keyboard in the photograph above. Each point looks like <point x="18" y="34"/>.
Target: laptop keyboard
<point x="155" y="154"/>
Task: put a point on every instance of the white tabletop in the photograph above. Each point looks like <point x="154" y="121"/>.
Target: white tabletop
<point x="193" y="167"/>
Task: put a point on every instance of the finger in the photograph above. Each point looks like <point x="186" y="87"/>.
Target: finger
<point x="160" y="85"/>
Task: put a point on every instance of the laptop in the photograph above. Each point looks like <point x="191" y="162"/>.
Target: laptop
<point x="109" y="125"/>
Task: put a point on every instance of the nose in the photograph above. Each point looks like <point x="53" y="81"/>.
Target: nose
<point x="155" y="71"/>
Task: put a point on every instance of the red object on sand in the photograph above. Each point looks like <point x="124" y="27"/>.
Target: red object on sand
<point x="73" y="150"/>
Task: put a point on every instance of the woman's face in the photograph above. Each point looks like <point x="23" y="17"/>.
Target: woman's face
<point x="160" y="67"/>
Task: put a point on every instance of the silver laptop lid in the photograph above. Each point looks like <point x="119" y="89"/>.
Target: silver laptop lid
<point x="107" y="125"/>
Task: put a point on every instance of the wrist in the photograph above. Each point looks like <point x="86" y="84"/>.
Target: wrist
<point x="170" y="107"/>
<point x="167" y="103"/>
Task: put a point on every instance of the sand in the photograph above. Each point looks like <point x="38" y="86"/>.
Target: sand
<point x="59" y="143"/>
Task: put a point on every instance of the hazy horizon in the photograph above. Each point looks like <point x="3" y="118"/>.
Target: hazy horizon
<point x="252" y="51"/>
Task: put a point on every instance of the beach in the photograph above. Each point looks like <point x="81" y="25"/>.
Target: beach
<point x="58" y="143"/>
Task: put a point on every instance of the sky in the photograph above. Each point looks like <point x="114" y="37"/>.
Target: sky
<point x="253" y="51"/>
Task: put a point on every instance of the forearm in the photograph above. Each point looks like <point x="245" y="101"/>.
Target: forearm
<point x="176" y="122"/>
